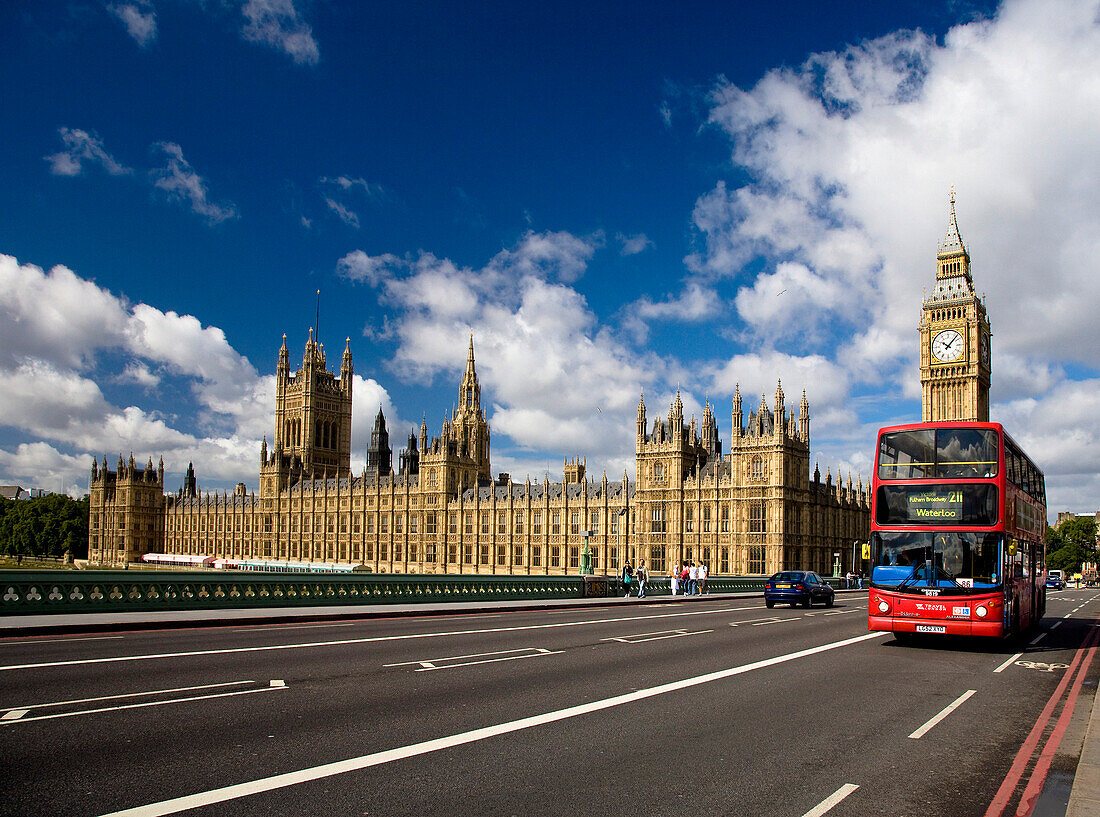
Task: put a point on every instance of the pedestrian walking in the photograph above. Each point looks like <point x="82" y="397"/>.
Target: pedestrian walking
<point x="859" y="578"/>
<point x="674" y="578"/>
<point x="642" y="575"/>
<point x="628" y="578"/>
<point x="684" y="573"/>
<point x="693" y="579"/>
<point x="848" y="577"/>
<point x="703" y="573"/>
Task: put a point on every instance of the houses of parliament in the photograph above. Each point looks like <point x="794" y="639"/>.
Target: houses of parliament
<point x="753" y="510"/>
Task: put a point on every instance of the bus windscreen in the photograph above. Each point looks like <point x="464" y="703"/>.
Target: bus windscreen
<point x="941" y="453"/>
<point x="967" y="559"/>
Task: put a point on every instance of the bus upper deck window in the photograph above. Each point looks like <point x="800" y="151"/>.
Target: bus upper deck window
<point x="966" y="452"/>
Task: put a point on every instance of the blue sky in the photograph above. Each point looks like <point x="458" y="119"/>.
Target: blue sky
<point x="611" y="197"/>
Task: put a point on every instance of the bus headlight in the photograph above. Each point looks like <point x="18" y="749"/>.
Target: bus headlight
<point x="981" y="611"/>
<point x="883" y="607"/>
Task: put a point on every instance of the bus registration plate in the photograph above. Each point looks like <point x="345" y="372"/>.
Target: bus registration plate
<point x="931" y="628"/>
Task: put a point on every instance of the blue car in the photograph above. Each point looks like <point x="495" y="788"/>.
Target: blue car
<point x="796" y="587"/>
<point x="1054" y="583"/>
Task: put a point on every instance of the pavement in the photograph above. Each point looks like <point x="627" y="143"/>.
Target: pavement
<point x="1084" y="799"/>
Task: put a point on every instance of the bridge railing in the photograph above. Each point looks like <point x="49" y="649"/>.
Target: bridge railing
<point x="43" y="592"/>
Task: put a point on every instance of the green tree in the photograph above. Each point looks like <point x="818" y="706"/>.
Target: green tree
<point x="1072" y="544"/>
<point x="44" y="526"/>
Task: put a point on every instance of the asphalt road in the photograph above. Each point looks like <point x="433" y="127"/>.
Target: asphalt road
<point x="715" y="706"/>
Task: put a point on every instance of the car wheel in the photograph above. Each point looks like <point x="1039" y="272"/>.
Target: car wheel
<point x="829" y="601"/>
<point x="769" y="603"/>
<point x="808" y="601"/>
<point x="794" y="604"/>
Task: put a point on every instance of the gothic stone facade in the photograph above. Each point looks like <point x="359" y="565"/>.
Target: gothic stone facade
<point x="753" y="511"/>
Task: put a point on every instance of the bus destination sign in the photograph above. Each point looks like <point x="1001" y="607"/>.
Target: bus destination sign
<point x="939" y="506"/>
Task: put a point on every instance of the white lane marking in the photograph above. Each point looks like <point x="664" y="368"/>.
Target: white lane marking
<point x="142" y="705"/>
<point x="279" y="781"/>
<point x="366" y="640"/>
<point x="830" y="801"/>
<point x="751" y="621"/>
<point x="273" y="627"/>
<point x="642" y="638"/>
<point x="1067" y="615"/>
<point x="14" y="715"/>
<point x="1056" y="625"/>
<point x="1037" y="639"/>
<point x="775" y="621"/>
<point x="433" y="663"/>
<point x="1008" y="663"/>
<point x="130" y="695"/>
<point x="25" y="641"/>
<point x="947" y="710"/>
<point x="277" y="683"/>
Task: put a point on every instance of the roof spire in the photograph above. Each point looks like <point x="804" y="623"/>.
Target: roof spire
<point x="952" y="242"/>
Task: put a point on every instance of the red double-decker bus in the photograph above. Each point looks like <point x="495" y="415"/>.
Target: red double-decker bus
<point x="958" y="529"/>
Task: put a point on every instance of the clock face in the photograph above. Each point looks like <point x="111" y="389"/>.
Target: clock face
<point x="947" y="346"/>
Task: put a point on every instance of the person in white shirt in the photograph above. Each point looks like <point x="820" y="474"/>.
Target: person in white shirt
<point x="693" y="579"/>
<point x="703" y="573"/>
<point x="674" y="578"/>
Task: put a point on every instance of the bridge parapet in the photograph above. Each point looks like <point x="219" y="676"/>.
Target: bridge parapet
<point x="43" y="592"/>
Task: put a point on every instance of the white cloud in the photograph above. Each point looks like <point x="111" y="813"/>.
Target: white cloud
<point x="554" y="378"/>
<point x="633" y="244"/>
<point x="854" y="152"/>
<point x="139" y="373"/>
<point x="349" y="217"/>
<point x="81" y="149"/>
<point x="826" y="384"/>
<point x="341" y="189"/>
<point x="358" y="266"/>
<point x="851" y="157"/>
<point x="696" y="303"/>
<point x="561" y="254"/>
<point x="63" y="336"/>
<point x="140" y="19"/>
<point x="793" y="289"/>
<point x="40" y="465"/>
<point x="182" y="183"/>
<point x="56" y="317"/>
<point x="278" y="24"/>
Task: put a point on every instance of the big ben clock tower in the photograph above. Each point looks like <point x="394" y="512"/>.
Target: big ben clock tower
<point x="954" y="337"/>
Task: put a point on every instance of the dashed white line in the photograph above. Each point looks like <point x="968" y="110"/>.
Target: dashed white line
<point x="1008" y="663"/>
<point x="131" y="695"/>
<point x="222" y="795"/>
<point x="642" y="638"/>
<point x="830" y="801"/>
<point x="487" y="658"/>
<point x="947" y="710"/>
<point x="1037" y="639"/>
<point x="143" y="704"/>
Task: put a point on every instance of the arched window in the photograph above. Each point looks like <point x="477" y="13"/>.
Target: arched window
<point x="757" y="468"/>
